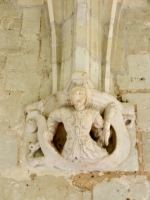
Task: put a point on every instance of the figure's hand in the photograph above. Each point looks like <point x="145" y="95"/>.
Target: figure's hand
<point x="48" y="135"/>
<point x="106" y="135"/>
<point x="101" y="140"/>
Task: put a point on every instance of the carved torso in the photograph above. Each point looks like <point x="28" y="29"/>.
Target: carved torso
<point x="79" y="146"/>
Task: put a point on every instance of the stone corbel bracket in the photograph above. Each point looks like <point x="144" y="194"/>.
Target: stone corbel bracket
<point x="36" y="121"/>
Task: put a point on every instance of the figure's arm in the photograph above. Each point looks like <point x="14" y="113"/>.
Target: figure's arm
<point x="97" y="126"/>
<point x="103" y="135"/>
<point x="52" y="123"/>
<point x="108" y="116"/>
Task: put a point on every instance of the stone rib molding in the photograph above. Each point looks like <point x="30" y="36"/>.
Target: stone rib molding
<point x="54" y="46"/>
<point x="109" y="48"/>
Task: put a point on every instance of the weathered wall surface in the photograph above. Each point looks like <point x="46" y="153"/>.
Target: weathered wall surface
<point x="132" y="71"/>
<point x="26" y="77"/>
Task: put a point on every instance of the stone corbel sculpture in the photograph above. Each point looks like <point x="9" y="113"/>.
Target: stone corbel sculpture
<point x="78" y="129"/>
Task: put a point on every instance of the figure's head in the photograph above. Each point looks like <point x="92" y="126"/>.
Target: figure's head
<point x="78" y="97"/>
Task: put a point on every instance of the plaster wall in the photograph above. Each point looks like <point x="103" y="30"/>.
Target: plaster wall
<point x="26" y="75"/>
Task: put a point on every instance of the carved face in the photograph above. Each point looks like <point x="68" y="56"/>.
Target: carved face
<point x="78" y="98"/>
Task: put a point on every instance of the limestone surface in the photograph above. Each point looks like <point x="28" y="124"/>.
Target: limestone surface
<point x="41" y="188"/>
<point x="9" y="119"/>
<point x="30" y="2"/>
<point x="11" y="41"/>
<point x="138" y="76"/>
<point x="146" y="150"/>
<point x="35" y="48"/>
<point x="143" y="108"/>
<point x="131" y="187"/>
<point x="8" y="151"/>
<point x="33" y="15"/>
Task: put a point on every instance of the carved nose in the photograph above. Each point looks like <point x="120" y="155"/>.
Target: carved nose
<point x="77" y="99"/>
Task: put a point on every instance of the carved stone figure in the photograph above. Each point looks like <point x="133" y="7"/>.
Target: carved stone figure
<point x="94" y="133"/>
<point x="78" y="122"/>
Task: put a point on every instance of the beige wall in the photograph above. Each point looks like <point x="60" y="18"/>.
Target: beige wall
<point x="27" y="61"/>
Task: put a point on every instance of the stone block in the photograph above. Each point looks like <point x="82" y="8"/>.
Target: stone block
<point x="12" y="24"/>
<point x="2" y="63"/>
<point x="11" y="111"/>
<point x="26" y="82"/>
<point x="146" y="150"/>
<point x="2" y="82"/>
<point x="8" y="151"/>
<point x="26" y="61"/>
<point x="41" y="188"/>
<point x="138" y="32"/>
<point x="124" y="188"/>
<point x="22" y="62"/>
<point x="133" y="2"/>
<point x="45" y="88"/>
<point x="11" y="42"/>
<point x="32" y="47"/>
<point x="45" y="25"/>
<point x="143" y="108"/>
<point x="45" y="48"/>
<point x="139" y="73"/>
<point x="133" y="16"/>
<point x="8" y="10"/>
<point x="30" y="2"/>
<point x="31" y="21"/>
<point x="119" y="55"/>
